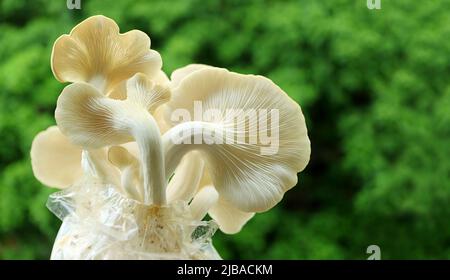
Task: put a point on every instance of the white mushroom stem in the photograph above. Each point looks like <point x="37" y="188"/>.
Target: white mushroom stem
<point x="177" y="138"/>
<point x="146" y="133"/>
<point x="94" y="121"/>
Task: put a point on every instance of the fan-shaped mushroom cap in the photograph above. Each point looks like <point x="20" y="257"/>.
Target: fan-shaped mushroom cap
<point x="129" y="168"/>
<point x="90" y="119"/>
<point x="229" y="218"/>
<point x="54" y="160"/>
<point x="95" y="52"/>
<point x="203" y="201"/>
<point x="181" y="73"/>
<point x="242" y="174"/>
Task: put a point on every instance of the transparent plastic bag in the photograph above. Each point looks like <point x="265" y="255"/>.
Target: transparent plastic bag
<point x="101" y="223"/>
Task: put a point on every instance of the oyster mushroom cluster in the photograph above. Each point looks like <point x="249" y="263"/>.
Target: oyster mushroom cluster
<point x="140" y="167"/>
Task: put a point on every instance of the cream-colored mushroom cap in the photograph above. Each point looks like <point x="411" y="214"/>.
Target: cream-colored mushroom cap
<point x="95" y="52"/>
<point x="92" y="120"/>
<point x="179" y="74"/>
<point x="160" y="80"/>
<point x="129" y="168"/>
<point x="164" y="112"/>
<point x="189" y="180"/>
<point x="245" y="177"/>
<point x="55" y="161"/>
<point x="203" y="201"/>
<point x="229" y="218"/>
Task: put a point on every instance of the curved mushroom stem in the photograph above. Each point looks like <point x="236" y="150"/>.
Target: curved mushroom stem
<point x="146" y="133"/>
<point x="185" y="137"/>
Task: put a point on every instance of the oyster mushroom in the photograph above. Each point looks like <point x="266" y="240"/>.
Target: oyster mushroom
<point x="93" y="120"/>
<point x="121" y="113"/>
<point x="129" y="169"/>
<point x="250" y="180"/>
<point x="96" y="53"/>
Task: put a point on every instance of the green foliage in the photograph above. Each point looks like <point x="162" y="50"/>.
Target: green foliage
<point x="373" y="85"/>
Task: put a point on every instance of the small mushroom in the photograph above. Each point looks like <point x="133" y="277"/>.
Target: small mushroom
<point x="120" y="91"/>
<point x="96" y="53"/>
<point x="144" y="92"/>
<point x="129" y="169"/>
<point x="92" y="120"/>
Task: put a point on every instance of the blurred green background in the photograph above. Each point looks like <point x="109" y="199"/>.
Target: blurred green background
<point x="373" y="84"/>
